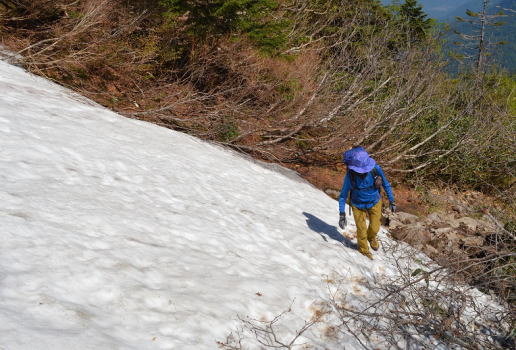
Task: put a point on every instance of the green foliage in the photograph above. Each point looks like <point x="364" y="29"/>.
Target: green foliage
<point x="227" y="130"/>
<point x="332" y="17"/>
<point x="302" y="144"/>
<point x="471" y="13"/>
<point x="288" y="89"/>
<point x="414" y="26"/>
<point x="221" y="16"/>
<point x="482" y="123"/>
<point x="417" y="272"/>
<point x="75" y="14"/>
<point x="208" y="18"/>
<point x="415" y="20"/>
<point x="269" y="37"/>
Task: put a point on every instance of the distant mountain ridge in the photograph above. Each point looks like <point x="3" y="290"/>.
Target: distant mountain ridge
<point x="442" y="9"/>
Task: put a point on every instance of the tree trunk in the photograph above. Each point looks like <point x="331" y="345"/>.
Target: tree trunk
<point x="481" y="44"/>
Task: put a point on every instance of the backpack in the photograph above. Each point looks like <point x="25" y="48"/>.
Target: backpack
<point x="377" y="182"/>
<point x="377" y="178"/>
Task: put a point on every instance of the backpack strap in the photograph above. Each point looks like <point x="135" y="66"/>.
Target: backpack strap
<point x="376" y="184"/>
<point x="378" y="181"/>
<point x="353" y="176"/>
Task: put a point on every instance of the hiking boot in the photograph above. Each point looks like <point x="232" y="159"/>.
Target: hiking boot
<point x="368" y="255"/>
<point x="374" y="244"/>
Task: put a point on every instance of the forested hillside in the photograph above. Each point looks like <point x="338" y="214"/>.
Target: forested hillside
<point x="287" y="81"/>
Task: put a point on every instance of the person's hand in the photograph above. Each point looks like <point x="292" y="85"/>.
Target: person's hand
<point x="393" y="207"/>
<point x="342" y="220"/>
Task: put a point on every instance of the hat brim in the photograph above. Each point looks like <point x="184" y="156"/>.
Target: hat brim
<point x="365" y="168"/>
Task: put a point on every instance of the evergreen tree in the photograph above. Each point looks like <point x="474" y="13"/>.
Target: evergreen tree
<point x="218" y="16"/>
<point x="477" y="41"/>
<point x="209" y="18"/>
<point x="414" y="20"/>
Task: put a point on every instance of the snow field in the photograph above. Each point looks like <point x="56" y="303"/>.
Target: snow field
<point x="119" y="234"/>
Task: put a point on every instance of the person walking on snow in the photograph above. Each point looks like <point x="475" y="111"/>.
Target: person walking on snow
<point x="362" y="183"/>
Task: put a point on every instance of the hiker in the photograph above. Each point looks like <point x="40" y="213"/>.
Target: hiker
<point x="363" y="181"/>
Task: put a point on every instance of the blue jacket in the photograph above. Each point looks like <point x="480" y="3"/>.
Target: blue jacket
<point x="364" y="194"/>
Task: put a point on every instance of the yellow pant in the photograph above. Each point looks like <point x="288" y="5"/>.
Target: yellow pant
<point x="367" y="234"/>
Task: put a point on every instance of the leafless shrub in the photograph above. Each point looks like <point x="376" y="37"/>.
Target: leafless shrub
<point x="268" y="333"/>
<point x="427" y="308"/>
<point x="418" y="305"/>
<point x="343" y="80"/>
<point x="64" y="40"/>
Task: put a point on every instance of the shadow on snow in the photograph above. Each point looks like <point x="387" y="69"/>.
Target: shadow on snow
<point x="317" y="225"/>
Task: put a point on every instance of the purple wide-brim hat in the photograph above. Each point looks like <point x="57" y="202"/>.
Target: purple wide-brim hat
<point x="358" y="160"/>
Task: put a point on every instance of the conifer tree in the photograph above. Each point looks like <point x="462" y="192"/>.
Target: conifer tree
<point x="215" y="18"/>
<point x="219" y="16"/>
<point x="415" y="20"/>
<point x="478" y="40"/>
